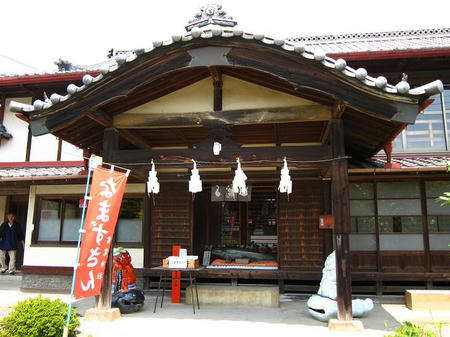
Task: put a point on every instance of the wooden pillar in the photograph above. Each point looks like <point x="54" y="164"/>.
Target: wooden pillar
<point x="2" y="109"/>
<point x="103" y="301"/>
<point x="29" y="140"/>
<point x="341" y="213"/>
<point x="217" y="83"/>
<point x="147" y="230"/>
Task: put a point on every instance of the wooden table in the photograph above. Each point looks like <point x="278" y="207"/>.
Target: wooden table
<point x="165" y="274"/>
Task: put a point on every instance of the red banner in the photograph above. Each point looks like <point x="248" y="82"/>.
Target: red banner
<point x="101" y="217"/>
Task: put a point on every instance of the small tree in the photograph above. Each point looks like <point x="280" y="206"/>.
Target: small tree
<point x="38" y="317"/>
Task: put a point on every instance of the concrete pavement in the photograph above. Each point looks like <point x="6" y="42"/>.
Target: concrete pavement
<point x="291" y="319"/>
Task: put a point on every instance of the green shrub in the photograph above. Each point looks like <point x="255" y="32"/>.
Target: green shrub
<point x="38" y="317"/>
<point x="411" y="330"/>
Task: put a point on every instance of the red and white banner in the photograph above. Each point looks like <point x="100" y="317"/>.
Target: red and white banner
<point x="101" y="217"/>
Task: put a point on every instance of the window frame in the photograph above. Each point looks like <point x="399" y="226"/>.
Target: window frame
<point x="61" y="243"/>
<point x="444" y="112"/>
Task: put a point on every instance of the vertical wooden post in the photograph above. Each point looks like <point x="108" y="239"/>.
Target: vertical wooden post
<point x="2" y="109"/>
<point x="217" y="83"/>
<point x="59" y="153"/>
<point x="341" y="213"/>
<point x="29" y="140"/>
<point x="147" y="230"/>
<point x="426" y="233"/>
<point x="103" y="301"/>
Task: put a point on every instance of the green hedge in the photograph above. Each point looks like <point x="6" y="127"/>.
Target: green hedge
<point x="411" y="330"/>
<point x="38" y="317"/>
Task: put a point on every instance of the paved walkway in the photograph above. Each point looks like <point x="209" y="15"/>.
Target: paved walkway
<point x="291" y="319"/>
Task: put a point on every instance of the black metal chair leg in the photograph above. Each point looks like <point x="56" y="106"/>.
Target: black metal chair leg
<point x="157" y="294"/>
<point x="164" y="289"/>
<point x="192" y="293"/>
<point x="196" y="292"/>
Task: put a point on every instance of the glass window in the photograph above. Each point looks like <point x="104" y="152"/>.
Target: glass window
<point x="361" y="207"/>
<point x="363" y="242"/>
<point x="362" y="217"/>
<point x="361" y="191"/>
<point x="401" y="242"/>
<point x="60" y="220"/>
<point x="434" y="189"/>
<point x="399" y="207"/>
<point x="394" y="190"/>
<point x="129" y="224"/>
<point x="72" y="217"/>
<point x="438" y="215"/>
<point x="363" y="224"/>
<point x="427" y="134"/>
<point x="50" y="220"/>
<point x="400" y="224"/>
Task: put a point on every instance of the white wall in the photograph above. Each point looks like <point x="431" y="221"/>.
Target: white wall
<point x="14" y="149"/>
<point x="238" y="94"/>
<point x="70" y="152"/>
<point x="43" y="148"/>
<point x="64" y="256"/>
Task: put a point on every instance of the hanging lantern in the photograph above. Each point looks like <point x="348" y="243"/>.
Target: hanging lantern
<point x="152" y="183"/>
<point x="239" y="186"/>
<point x="285" y="182"/>
<point x="195" y="184"/>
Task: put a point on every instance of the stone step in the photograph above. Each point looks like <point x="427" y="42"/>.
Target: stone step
<point x="428" y="299"/>
<point x="252" y="295"/>
<point x="7" y="277"/>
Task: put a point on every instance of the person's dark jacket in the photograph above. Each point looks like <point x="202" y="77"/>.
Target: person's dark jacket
<point x="10" y="236"/>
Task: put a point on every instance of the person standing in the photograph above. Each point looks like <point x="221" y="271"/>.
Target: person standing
<point x="10" y="235"/>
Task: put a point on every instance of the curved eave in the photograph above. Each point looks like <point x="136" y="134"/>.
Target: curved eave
<point x="297" y="66"/>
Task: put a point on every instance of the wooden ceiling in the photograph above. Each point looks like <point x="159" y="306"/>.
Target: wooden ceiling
<point x="368" y="118"/>
<point x="362" y="131"/>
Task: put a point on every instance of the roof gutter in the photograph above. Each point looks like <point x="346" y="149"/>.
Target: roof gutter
<point x="45" y="78"/>
<point x="375" y="170"/>
<point x="40" y="178"/>
<point x="391" y="54"/>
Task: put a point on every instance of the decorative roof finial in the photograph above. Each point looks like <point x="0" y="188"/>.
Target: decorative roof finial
<point x="211" y="14"/>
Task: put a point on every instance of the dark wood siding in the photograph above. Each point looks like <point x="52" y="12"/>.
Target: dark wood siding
<point x="300" y="242"/>
<point x="171" y="221"/>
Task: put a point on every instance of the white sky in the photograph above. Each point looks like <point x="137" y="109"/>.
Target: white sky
<point x="82" y="31"/>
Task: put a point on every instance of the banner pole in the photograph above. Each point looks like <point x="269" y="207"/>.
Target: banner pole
<point x="80" y="233"/>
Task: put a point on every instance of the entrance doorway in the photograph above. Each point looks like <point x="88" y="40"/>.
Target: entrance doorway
<point x="250" y="223"/>
<point x="18" y="204"/>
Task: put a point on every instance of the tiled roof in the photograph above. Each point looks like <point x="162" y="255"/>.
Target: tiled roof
<point x="415" y="162"/>
<point x="410" y="162"/>
<point x="299" y="49"/>
<point x="78" y="69"/>
<point x="376" y="42"/>
<point x="33" y="172"/>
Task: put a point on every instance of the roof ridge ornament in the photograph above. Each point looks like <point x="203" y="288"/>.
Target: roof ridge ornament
<point x="211" y="14"/>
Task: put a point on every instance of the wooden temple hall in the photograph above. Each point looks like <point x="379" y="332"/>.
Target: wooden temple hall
<point x="217" y="94"/>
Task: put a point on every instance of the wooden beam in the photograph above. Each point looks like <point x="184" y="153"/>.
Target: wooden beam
<point x="105" y="120"/>
<point x="313" y="156"/>
<point x="341" y="213"/>
<point x="130" y="137"/>
<point x="103" y="301"/>
<point x="101" y="118"/>
<point x="217" y="83"/>
<point x="303" y="113"/>
<point x="338" y="109"/>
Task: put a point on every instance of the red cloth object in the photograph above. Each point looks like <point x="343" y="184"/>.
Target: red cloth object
<point x="176" y="275"/>
<point x="122" y="262"/>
